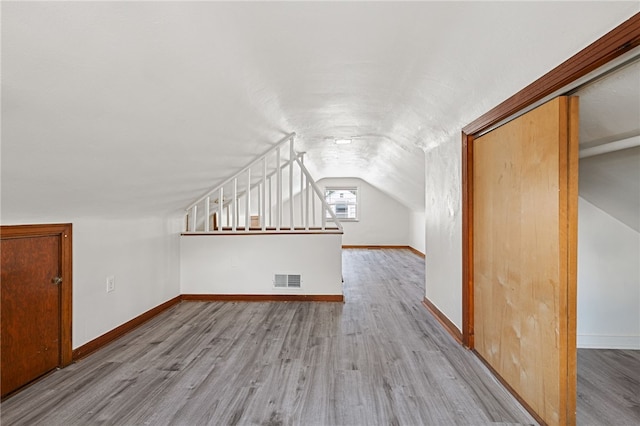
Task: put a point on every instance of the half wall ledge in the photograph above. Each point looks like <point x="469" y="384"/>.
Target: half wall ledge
<point x="277" y="265"/>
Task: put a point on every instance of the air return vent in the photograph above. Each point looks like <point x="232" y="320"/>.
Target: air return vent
<point x="287" y="281"/>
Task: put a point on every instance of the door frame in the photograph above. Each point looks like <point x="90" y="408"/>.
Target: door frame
<point x="64" y="231"/>
<point x="613" y="45"/>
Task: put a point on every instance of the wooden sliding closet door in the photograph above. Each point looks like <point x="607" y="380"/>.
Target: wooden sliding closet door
<point x="524" y="250"/>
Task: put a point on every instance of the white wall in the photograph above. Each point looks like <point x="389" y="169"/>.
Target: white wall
<point x="443" y="218"/>
<point x="417" y="231"/>
<point x="246" y="264"/>
<point x="381" y="219"/>
<point x="608" y="281"/>
<point x="143" y="256"/>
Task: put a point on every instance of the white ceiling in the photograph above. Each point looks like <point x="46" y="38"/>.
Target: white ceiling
<point x="119" y="108"/>
<point x="610" y="107"/>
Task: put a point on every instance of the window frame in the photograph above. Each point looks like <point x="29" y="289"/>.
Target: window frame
<point x="358" y="201"/>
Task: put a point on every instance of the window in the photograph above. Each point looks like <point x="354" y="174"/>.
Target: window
<point x="343" y="202"/>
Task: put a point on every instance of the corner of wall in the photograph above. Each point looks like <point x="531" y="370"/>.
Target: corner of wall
<point x="417" y="235"/>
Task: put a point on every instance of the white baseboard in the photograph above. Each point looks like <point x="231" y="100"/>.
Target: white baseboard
<point x="594" y="341"/>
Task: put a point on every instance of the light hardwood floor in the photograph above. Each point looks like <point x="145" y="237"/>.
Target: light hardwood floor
<point x="377" y="359"/>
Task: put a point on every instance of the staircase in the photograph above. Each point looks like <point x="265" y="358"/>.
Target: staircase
<point x="273" y="194"/>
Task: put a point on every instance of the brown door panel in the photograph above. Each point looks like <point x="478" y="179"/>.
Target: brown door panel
<point x="30" y="301"/>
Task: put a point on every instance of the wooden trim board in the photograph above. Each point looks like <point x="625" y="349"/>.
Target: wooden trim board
<point x="65" y="232"/>
<point x="121" y="330"/>
<point x="416" y="252"/>
<point x="263" y="297"/>
<point x="442" y="319"/>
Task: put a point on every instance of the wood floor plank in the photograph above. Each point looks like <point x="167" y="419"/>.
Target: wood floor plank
<point x="378" y="359"/>
<point x="608" y="387"/>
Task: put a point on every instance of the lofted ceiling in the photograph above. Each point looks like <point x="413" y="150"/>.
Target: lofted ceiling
<point x="137" y="108"/>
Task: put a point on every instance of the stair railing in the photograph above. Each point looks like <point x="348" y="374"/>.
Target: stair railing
<point x="264" y="196"/>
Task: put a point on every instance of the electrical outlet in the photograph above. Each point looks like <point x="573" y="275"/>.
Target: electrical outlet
<point x="111" y="284"/>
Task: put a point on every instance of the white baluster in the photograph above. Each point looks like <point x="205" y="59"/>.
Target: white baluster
<point x="247" y="205"/>
<point x="313" y="210"/>
<point x="206" y="214"/>
<point x="278" y="191"/>
<point x="234" y="204"/>
<point x="291" y="154"/>
<point x="270" y="204"/>
<point x="324" y="218"/>
<point x="220" y="207"/>
<point x="302" y="192"/>
<point x="306" y="196"/>
<point x="263" y="221"/>
<point x="194" y="214"/>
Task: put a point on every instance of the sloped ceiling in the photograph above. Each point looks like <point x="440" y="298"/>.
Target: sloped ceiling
<point x="137" y="108"/>
<point x="610" y="112"/>
<point x="612" y="182"/>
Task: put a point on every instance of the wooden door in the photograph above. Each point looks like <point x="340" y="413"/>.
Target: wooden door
<point x="524" y="256"/>
<point x="30" y="342"/>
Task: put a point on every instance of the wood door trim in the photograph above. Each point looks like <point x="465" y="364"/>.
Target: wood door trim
<point x="612" y="45"/>
<point x="64" y="231"/>
<point x="467" y="241"/>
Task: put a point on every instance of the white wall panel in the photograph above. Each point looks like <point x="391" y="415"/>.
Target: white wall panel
<point x="608" y="281"/>
<point x="444" y="229"/>
<point x="246" y="264"/>
<point x="417" y="231"/>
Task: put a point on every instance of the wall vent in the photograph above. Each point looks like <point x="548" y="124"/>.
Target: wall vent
<point x="287" y="281"/>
